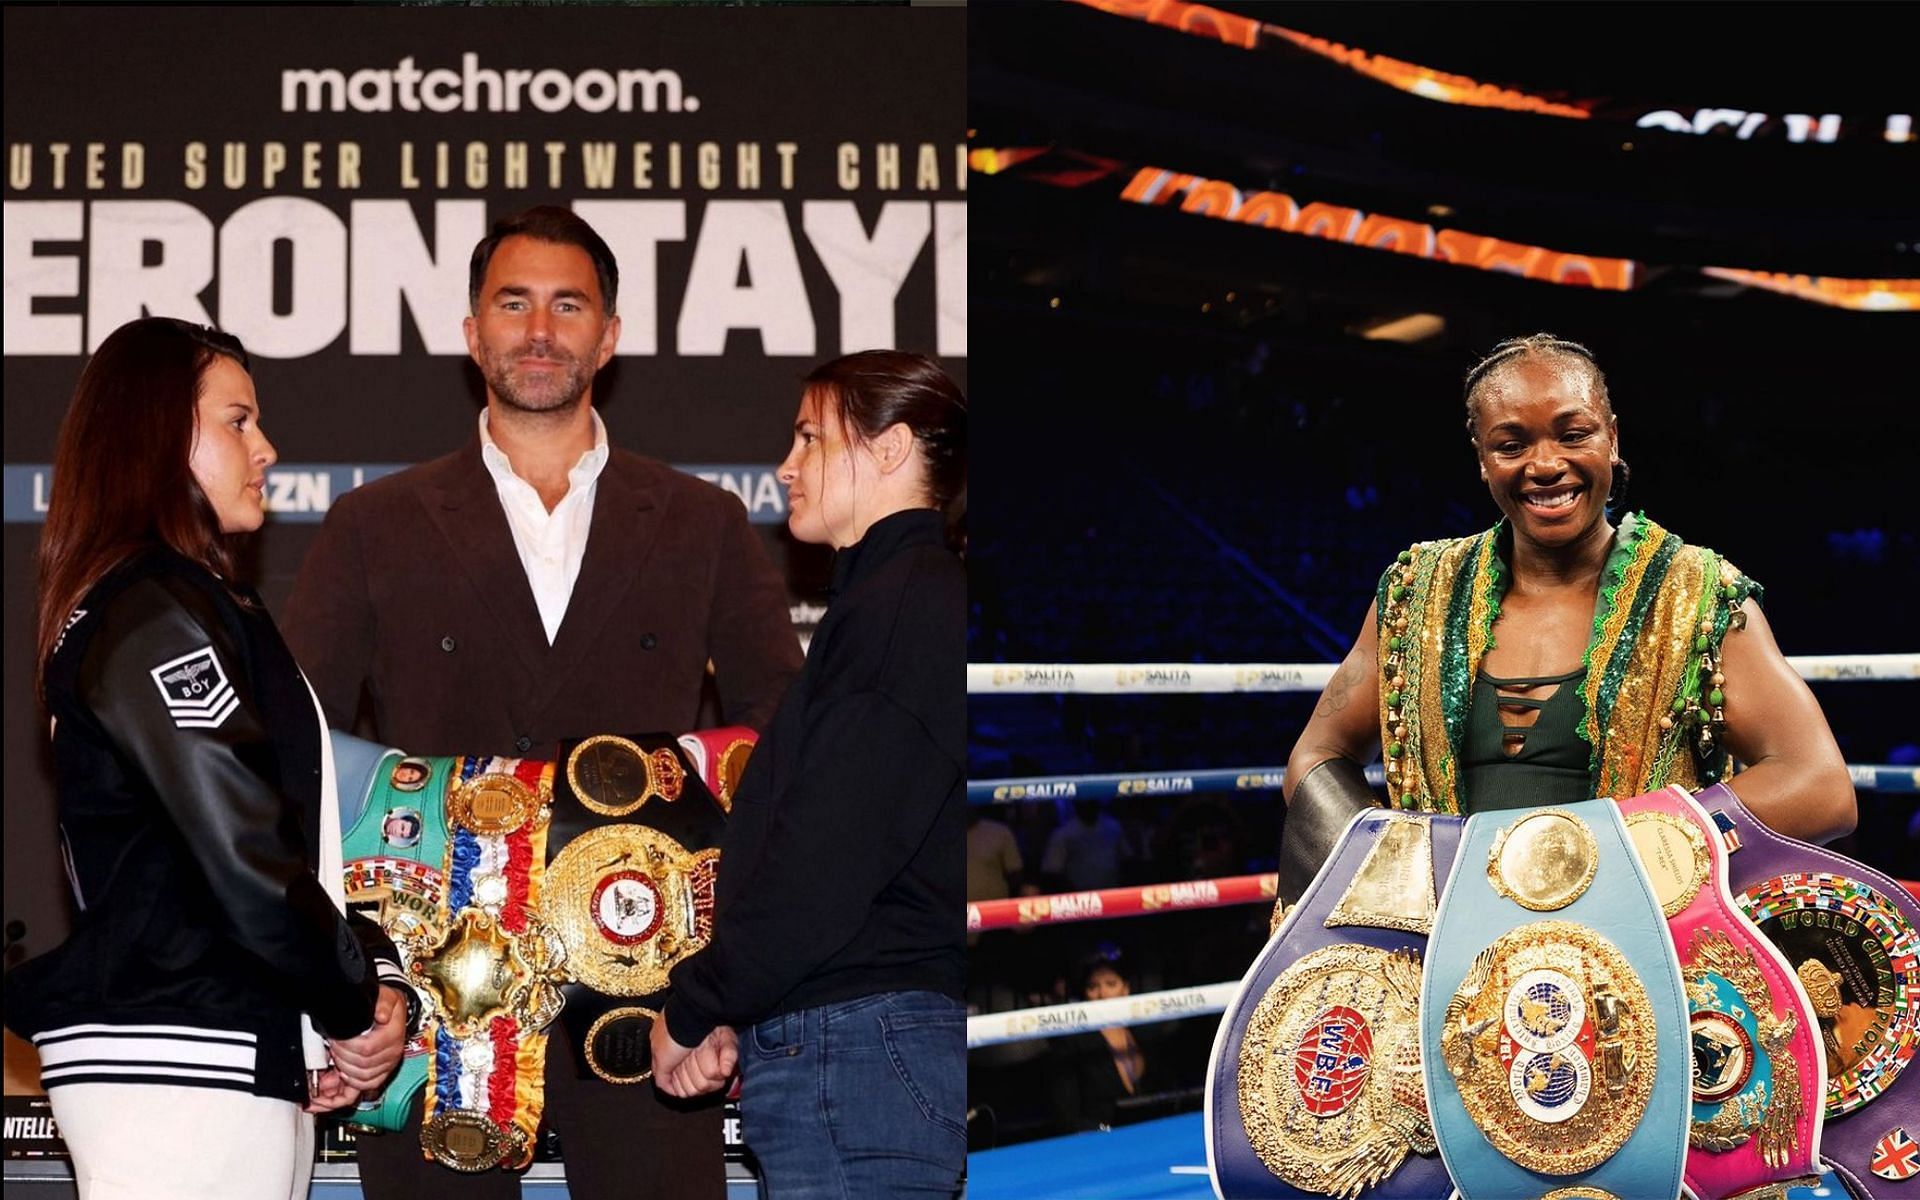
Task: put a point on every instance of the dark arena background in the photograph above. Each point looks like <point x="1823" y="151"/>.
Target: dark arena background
<point x="780" y="185"/>
<point x="1230" y="268"/>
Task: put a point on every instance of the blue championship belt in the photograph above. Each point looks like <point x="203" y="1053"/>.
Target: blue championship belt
<point x="393" y="818"/>
<point x="1555" y="1025"/>
<point x="1315" y="1086"/>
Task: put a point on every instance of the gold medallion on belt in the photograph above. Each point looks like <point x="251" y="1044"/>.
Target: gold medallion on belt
<point x="476" y="970"/>
<point x="1330" y="1083"/>
<point x="613" y="776"/>
<point x="1550" y="1038"/>
<point x="623" y="900"/>
<point x="1544" y="861"/>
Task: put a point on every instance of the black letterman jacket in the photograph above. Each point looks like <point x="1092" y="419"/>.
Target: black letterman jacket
<point x="186" y="751"/>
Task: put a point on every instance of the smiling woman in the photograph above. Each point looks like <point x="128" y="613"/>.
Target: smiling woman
<point x="1560" y="655"/>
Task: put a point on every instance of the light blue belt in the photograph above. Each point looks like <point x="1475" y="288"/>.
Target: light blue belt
<point x="1551" y="982"/>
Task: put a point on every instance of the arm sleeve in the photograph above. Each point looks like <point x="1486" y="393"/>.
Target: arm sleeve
<point x="751" y="640"/>
<point x="214" y="769"/>
<point x="849" y="824"/>
<point x="328" y="620"/>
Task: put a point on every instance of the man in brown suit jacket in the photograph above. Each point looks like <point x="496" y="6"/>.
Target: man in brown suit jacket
<point x="536" y="585"/>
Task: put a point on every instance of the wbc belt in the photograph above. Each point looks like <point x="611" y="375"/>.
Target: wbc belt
<point x="1552" y="1014"/>
<point x="394" y="845"/>
<point x="1850" y="935"/>
<point x="1759" y="1074"/>
<point x="492" y="971"/>
<point x="635" y="856"/>
<point x="1314" y="1087"/>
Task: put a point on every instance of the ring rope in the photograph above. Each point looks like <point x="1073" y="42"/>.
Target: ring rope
<point x="1208" y="678"/>
<point x="1145" y="900"/>
<point x="1055" y="1020"/>
<point x="1868" y="777"/>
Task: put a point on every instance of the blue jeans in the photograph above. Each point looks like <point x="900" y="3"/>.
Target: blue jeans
<point x="866" y="1098"/>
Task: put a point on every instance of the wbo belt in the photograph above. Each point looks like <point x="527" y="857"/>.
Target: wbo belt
<point x="394" y="850"/>
<point x="1852" y="937"/>
<point x="1759" y="1074"/>
<point x="1315" y="1085"/>
<point x="637" y="823"/>
<point x="1557" y="1057"/>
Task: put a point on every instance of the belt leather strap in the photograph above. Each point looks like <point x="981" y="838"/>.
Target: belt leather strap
<point x="1552" y="1014"/>
<point x="633" y="859"/>
<point x="393" y="809"/>
<point x="1852" y="937"/>
<point x="1759" y="1073"/>
<point x="1314" y="1086"/>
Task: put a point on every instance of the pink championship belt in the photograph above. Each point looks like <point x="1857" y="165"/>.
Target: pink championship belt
<point x="1759" y="1073"/>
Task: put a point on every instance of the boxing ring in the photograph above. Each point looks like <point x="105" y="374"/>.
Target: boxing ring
<point x="1167" y="1157"/>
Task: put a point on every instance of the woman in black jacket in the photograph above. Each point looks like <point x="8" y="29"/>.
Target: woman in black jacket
<point x="195" y="803"/>
<point x="838" y="934"/>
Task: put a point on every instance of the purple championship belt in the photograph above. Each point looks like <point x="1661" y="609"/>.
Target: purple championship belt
<point x="1852" y="936"/>
<point x="1315" y="1085"/>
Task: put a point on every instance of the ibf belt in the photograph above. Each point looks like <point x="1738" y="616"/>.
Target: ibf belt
<point x="629" y="891"/>
<point x="491" y="974"/>
<point x="1850" y="935"/>
<point x="1315" y="1085"/>
<point x="394" y="848"/>
<point x="1759" y="1075"/>
<point x="1552" y="1014"/>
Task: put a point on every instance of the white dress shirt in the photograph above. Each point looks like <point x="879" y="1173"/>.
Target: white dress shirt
<point x="551" y="544"/>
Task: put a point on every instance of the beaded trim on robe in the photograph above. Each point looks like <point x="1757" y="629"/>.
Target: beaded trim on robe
<point x="1654" y="693"/>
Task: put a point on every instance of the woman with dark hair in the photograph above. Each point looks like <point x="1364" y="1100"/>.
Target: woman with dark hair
<point x="1094" y="1072"/>
<point x="837" y="938"/>
<point x="196" y="805"/>
<point x="1560" y="655"/>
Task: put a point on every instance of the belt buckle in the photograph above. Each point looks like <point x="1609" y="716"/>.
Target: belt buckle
<point x="471" y="1142"/>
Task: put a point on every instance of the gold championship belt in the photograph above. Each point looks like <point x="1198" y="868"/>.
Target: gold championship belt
<point x="491" y="974"/>
<point x="1330" y="1080"/>
<point x="623" y="900"/>
<point x="636" y="829"/>
<point x="1544" y="1036"/>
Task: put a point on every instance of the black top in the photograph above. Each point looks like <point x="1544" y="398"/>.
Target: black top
<point x="1506" y="766"/>
<point x="187" y="760"/>
<point x="842" y="872"/>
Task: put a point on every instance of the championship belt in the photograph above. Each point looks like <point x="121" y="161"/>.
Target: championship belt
<point x="1315" y="1085"/>
<point x="1759" y="1073"/>
<point x="1852" y="937"/>
<point x="629" y="890"/>
<point x="1552" y="1015"/>
<point x="491" y="972"/>
<point x="395" y="844"/>
<point x="719" y="757"/>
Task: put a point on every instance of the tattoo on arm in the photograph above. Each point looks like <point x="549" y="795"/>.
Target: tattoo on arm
<point x="1339" y="691"/>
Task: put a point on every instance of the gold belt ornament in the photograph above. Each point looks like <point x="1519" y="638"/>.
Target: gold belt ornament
<point x="613" y="776"/>
<point x="1330" y="1079"/>
<point x="628" y="902"/>
<point x="1551" y="1039"/>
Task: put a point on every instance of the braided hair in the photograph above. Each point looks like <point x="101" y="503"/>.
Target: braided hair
<point x="1542" y="346"/>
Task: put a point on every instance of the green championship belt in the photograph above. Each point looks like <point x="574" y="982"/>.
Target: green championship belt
<point x="394" y="821"/>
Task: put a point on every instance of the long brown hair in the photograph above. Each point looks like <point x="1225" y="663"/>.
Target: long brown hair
<point x="121" y="479"/>
<point x="873" y="390"/>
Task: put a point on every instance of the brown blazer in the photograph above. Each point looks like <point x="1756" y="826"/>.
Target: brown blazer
<point x="414" y="591"/>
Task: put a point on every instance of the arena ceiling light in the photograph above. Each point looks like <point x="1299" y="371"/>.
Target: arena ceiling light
<point x="1447" y="87"/>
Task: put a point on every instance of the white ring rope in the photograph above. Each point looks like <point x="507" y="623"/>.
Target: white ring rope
<point x="1208" y="678"/>
<point x="1055" y="1020"/>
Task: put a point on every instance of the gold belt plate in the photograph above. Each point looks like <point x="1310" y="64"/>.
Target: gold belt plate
<point x="622" y="899"/>
<point x="1550" y="1038"/>
<point x="1330" y="1086"/>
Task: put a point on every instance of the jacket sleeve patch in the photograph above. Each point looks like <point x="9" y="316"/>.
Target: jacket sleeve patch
<point x="196" y="690"/>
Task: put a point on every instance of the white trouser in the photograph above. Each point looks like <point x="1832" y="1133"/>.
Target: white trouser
<point x="142" y="1141"/>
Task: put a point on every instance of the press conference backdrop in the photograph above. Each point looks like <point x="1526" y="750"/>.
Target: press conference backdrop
<point x="780" y="186"/>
